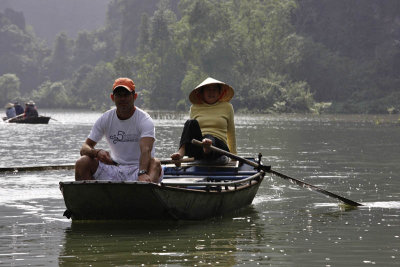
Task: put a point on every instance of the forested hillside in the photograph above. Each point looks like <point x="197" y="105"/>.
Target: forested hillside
<point x="278" y="55"/>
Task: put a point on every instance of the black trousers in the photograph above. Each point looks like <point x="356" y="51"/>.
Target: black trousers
<point x="191" y="130"/>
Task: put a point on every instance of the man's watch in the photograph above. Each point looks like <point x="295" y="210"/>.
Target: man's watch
<point x="142" y="172"/>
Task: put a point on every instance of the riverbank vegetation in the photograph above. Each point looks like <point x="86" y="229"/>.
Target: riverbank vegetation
<point x="282" y="56"/>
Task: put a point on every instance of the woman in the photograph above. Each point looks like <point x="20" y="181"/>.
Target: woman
<point x="30" y="109"/>
<point x="10" y="110"/>
<point x="211" y="121"/>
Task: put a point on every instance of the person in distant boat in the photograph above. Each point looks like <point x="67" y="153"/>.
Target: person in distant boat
<point x="130" y="135"/>
<point x="10" y="110"/>
<point x="18" y="108"/>
<point x="30" y="109"/>
<point x="211" y="121"/>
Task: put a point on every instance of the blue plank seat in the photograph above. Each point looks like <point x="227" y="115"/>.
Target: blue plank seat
<point x="193" y="175"/>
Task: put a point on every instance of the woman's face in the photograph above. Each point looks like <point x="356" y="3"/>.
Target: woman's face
<point x="211" y="94"/>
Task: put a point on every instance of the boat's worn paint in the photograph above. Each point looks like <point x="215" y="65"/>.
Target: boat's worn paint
<point x="187" y="194"/>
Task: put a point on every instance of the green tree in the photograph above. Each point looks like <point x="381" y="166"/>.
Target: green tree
<point x="60" y="60"/>
<point x="350" y="55"/>
<point x="84" y="52"/>
<point x="144" y="34"/>
<point x="276" y="93"/>
<point x="260" y="33"/>
<point x="51" y="95"/>
<point x="9" y="87"/>
<point x="193" y="77"/>
<point x="95" y="88"/>
<point x="201" y="22"/>
<point x="123" y="66"/>
<point x="132" y="11"/>
<point x="21" y="52"/>
<point x="15" y="17"/>
<point x="160" y="68"/>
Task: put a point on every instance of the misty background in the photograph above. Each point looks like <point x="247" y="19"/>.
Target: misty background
<point x="280" y="56"/>
<point x="50" y="17"/>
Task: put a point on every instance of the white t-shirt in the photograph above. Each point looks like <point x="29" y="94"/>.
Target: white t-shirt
<point x="123" y="136"/>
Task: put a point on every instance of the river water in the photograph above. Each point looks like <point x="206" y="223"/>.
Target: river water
<point x="353" y="156"/>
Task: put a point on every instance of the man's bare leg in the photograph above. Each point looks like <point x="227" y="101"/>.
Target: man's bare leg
<point x="85" y="167"/>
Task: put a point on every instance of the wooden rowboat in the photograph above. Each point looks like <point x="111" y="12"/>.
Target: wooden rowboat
<point x="193" y="191"/>
<point x="30" y="120"/>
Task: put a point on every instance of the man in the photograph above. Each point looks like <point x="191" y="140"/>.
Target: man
<point x="30" y="109"/>
<point x="129" y="132"/>
<point x="18" y="108"/>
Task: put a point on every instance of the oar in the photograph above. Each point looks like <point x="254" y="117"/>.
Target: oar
<point x="268" y="169"/>
<point x="54" y="119"/>
<point x="174" y="161"/>
<point x="72" y="166"/>
<point x="16" y="117"/>
<point x="37" y="168"/>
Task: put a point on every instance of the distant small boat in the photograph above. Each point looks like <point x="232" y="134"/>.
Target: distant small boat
<point x="190" y="192"/>
<point x="30" y="120"/>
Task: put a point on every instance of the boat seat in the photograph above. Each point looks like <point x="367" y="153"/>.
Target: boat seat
<point x="183" y="180"/>
<point x="221" y="162"/>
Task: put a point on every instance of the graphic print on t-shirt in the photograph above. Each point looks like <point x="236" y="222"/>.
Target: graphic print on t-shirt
<point x="121" y="136"/>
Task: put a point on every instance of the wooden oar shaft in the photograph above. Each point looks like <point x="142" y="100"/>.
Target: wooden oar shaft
<point x="226" y="153"/>
<point x="172" y="161"/>
<point x="268" y="169"/>
<point x="14" y="118"/>
<point x="37" y="168"/>
<point x="72" y="166"/>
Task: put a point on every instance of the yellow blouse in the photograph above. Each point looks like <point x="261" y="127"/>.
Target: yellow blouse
<point x="218" y="120"/>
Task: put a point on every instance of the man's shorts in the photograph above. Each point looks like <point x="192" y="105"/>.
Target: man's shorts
<point x="116" y="173"/>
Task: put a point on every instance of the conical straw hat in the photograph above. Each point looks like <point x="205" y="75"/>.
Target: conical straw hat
<point x="226" y="95"/>
<point x="9" y="105"/>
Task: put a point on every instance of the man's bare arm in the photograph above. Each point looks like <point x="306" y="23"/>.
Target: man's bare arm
<point x="146" y="145"/>
<point x="88" y="149"/>
<point x="101" y="154"/>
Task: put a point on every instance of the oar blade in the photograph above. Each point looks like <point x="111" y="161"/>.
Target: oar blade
<point x="317" y="189"/>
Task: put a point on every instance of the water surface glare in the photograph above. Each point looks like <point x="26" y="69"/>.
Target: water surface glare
<point x="356" y="156"/>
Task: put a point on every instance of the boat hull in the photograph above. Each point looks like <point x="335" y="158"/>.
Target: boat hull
<point x="190" y="192"/>
<point x="137" y="200"/>
<point x="31" y="120"/>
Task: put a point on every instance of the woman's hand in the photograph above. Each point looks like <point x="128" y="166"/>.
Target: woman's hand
<point x="177" y="156"/>
<point x="206" y="145"/>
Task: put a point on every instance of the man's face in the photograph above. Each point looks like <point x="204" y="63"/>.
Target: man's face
<point x="123" y="99"/>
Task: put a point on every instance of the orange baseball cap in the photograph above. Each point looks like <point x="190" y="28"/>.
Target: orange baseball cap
<point x="126" y="83"/>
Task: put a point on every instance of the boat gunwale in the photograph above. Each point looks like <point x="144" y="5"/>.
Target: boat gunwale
<point x="162" y="184"/>
<point x="224" y="183"/>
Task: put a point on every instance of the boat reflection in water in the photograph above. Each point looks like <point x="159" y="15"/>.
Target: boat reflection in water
<point x="218" y="241"/>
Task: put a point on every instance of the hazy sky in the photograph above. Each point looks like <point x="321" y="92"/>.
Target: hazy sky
<point x="49" y="17"/>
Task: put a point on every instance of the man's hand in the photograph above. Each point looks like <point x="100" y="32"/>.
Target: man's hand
<point x="104" y="156"/>
<point x="144" y="178"/>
